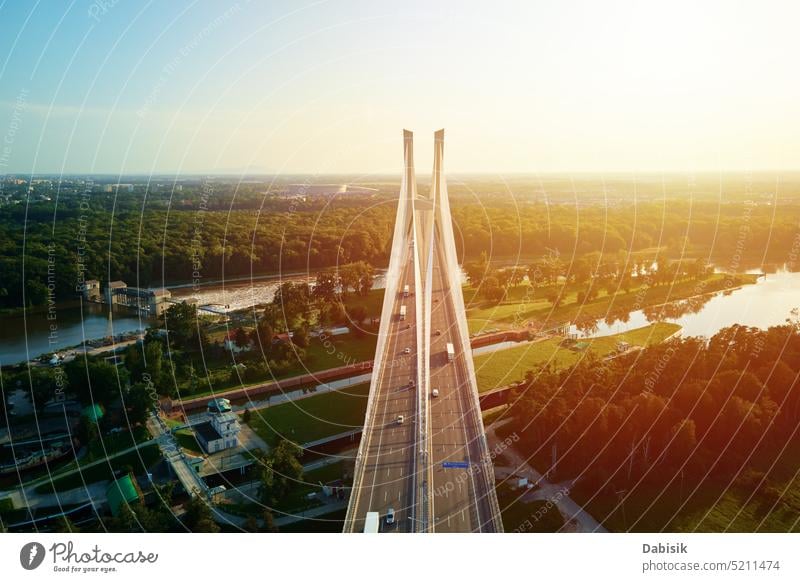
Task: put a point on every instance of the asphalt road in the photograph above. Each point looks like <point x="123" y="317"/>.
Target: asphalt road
<point x="459" y="496"/>
<point x="388" y="475"/>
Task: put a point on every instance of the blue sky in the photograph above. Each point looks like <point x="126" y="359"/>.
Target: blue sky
<point x="327" y="86"/>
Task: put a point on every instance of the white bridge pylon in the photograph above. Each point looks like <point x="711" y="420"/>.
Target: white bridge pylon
<point x="423" y="244"/>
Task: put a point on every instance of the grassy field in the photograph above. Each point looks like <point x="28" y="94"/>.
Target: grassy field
<point x="333" y="353"/>
<point x="109" y="445"/>
<point x="187" y="440"/>
<point x="313" y="418"/>
<point x="331" y="413"/>
<point x="525" y="304"/>
<point x="505" y="367"/>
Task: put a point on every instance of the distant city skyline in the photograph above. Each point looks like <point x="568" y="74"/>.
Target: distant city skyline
<point x="326" y="87"/>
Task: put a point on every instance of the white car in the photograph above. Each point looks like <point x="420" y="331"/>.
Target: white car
<point x="401" y="419"/>
<point x="390" y="516"/>
<point x="435" y="393"/>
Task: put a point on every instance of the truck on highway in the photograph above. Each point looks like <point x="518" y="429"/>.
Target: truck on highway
<point x="451" y="352"/>
<point x="402" y="312"/>
<point x="405" y="291"/>
<point x="372" y="523"/>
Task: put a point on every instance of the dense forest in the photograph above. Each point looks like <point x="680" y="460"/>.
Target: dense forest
<point x="150" y="243"/>
<point x="667" y="422"/>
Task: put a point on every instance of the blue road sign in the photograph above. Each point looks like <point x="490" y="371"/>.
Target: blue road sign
<point x="455" y="465"/>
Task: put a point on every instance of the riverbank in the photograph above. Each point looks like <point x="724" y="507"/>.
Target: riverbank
<point x="525" y="305"/>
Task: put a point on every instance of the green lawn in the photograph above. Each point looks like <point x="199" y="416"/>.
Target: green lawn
<point x="110" y="445"/>
<point x="187" y="440"/>
<point x="331" y="413"/>
<point x="525" y="304"/>
<point x="313" y="418"/>
<point x="373" y="302"/>
<point x="334" y="352"/>
<point x="505" y="367"/>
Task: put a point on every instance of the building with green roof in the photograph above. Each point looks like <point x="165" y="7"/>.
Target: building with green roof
<point x="93" y="412"/>
<point x="120" y="492"/>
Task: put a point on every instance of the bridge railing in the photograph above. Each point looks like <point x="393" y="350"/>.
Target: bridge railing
<point x="454" y="276"/>
<point x="396" y="263"/>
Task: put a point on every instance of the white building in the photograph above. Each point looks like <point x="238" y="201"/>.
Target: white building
<point x="221" y="431"/>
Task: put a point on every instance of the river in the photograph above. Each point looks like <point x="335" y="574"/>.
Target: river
<point x="23" y="338"/>
<point x="768" y="302"/>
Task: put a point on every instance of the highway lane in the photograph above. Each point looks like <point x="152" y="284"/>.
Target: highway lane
<point x="460" y="501"/>
<point x="388" y="474"/>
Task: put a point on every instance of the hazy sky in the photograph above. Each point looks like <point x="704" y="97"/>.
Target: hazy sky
<point x="328" y="86"/>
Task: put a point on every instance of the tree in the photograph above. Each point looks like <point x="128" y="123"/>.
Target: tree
<point x="241" y="338"/>
<point x="280" y="470"/>
<point x="94" y="380"/>
<point x="153" y="355"/>
<point x="181" y="323"/>
<point x="477" y="270"/>
<point x="349" y="278"/>
<point x="87" y="431"/>
<point x="556" y="295"/>
<point x="357" y="314"/>
<point x="325" y="288"/>
<point x="43" y="387"/>
<point x="134" y="362"/>
<point x="492" y="290"/>
<point x="139" y="402"/>
<point x="300" y="337"/>
<point x="198" y="516"/>
<point x="264" y="335"/>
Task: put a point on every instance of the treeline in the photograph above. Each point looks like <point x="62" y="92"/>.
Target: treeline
<point x="742" y="230"/>
<point x="148" y="248"/>
<point x="667" y="419"/>
<point x="110" y="238"/>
